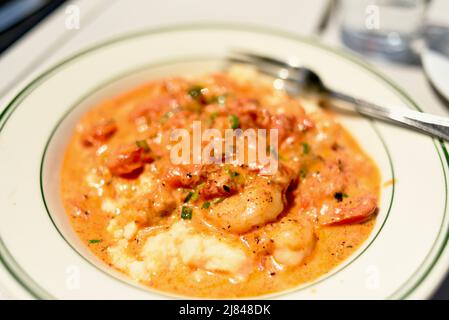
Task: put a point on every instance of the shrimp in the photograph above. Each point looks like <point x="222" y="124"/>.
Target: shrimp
<point x="162" y="202"/>
<point x="322" y="184"/>
<point x="293" y="241"/>
<point x="252" y="115"/>
<point x="288" y="241"/>
<point x="350" y="211"/>
<point x="99" y="132"/>
<point x="186" y="176"/>
<point x="259" y="203"/>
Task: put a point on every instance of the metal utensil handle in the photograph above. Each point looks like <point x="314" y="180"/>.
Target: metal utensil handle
<point x="428" y="123"/>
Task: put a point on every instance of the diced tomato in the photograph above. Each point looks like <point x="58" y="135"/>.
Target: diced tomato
<point x="100" y="132"/>
<point x="217" y="183"/>
<point x="186" y="176"/>
<point x="284" y="124"/>
<point x="127" y="159"/>
<point x="152" y="107"/>
<point x="252" y="115"/>
<point x="349" y="211"/>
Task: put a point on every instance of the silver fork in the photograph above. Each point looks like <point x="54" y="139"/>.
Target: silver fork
<point x="300" y="79"/>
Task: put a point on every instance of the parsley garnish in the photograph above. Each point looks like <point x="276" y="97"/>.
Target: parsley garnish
<point x="143" y="144"/>
<point x="235" y="122"/>
<point x="217" y="200"/>
<point x="213" y="116"/>
<point x="231" y="173"/>
<point x="206" y="205"/>
<point x="195" y="92"/>
<point x="305" y="148"/>
<point x="188" y="197"/>
<point x="186" y="213"/>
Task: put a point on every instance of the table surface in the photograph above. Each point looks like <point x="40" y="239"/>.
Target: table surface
<point x="51" y="40"/>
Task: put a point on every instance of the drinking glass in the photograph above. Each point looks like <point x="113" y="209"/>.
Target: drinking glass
<point x="388" y="29"/>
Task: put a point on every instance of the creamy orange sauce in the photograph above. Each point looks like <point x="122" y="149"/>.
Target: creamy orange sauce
<point x="217" y="230"/>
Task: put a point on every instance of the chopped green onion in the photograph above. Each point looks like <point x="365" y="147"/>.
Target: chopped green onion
<point x="93" y="241"/>
<point x="200" y="186"/>
<point x="235" y="176"/>
<point x="188" y="197"/>
<point x="213" y="116"/>
<point x="305" y="148"/>
<point x="230" y="172"/>
<point x="206" y="205"/>
<point x="302" y="173"/>
<point x="195" y="195"/>
<point x="166" y="116"/>
<point x="221" y="100"/>
<point x="217" y="200"/>
<point x="186" y="213"/>
<point x="195" y="92"/>
<point x="234" y="121"/>
<point x="143" y="144"/>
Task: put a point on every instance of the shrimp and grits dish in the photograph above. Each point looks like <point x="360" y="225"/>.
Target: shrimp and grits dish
<point x="217" y="229"/>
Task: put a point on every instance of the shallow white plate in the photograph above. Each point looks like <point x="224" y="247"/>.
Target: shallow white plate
<point x="405" y="257"/>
